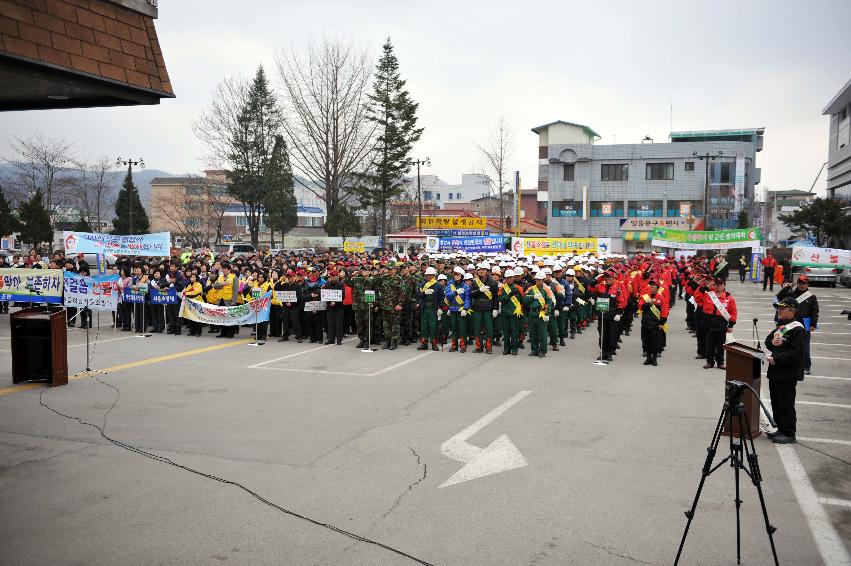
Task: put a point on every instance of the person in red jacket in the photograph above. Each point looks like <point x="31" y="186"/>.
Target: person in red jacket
<point x="719" y="312"/>
<point x="769" y="264"/>
<point x="654" y="314"/>
<point x="611" y="289"/>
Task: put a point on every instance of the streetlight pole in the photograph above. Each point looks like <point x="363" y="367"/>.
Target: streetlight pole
<point x="708" y="157"/>
<point x="130" y="163"/>
<point x="427" y="163"/>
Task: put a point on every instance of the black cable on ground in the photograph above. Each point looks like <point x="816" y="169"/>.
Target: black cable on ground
<point x="825" y="453"/>
<point x="162" y="459"/>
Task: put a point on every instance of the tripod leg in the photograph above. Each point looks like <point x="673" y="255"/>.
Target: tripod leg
<point x="756" y="478"/>
<point x="736" y="450"/>
<point x="707" y="469"/>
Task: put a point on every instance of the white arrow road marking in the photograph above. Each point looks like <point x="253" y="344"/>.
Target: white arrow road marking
<point x="500" y="456"/>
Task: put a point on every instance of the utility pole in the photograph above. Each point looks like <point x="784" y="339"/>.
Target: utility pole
<point x="130" y="163"/>
<point x="427" y="163"/>
<point x="708" y="157"/>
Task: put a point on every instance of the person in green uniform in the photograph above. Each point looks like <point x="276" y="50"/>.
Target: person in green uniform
<point x="538" y="306"/>
<point x="430" y="297"/>
<point x="510" y="312"/>
<point x="391" y="301"/>
<point x="360" y="283"/>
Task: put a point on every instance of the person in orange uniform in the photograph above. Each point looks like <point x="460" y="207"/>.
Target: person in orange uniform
<point x="610" y="332"/>
<point x="719" y="311"/>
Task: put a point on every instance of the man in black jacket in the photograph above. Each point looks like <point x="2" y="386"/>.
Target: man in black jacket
<point x="806" y="313"/>
<point x="785" y="370"/>
<point x="334" y="310"/>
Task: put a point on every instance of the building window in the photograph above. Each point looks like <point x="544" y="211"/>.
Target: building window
<point x="843" y="114"/>
<point x="689" y="165"/>
<point x="616" y="172"/>
<point x="242" y="221"/>
<point x="450" y="196"/>
<point x="645" y="209"/>
<point x="567" y="209"/>
<point x="542" y="152"/>
<point x="457" y="196"/>
<point x="437" y="195"/>
<point x="660" y="172"/>
<point x="606" y="209"/>
<point x="193" y="191"/>
<point x="720" y="173"/>
<point x="568" y="171"/>
<point x="426" y="195"/>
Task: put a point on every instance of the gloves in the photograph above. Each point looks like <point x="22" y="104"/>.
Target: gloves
<point x="592" y="301"/>
<point x="439" y="314"/>
<point x="565" y="309"/>
<point x="460" y="290"/>
<point x="617" y="318"/>
<point x="429" y="291"/>
<point x="463" y="312"/>
<point x="482" y="288"/>
<point x="546" y="318"/>
<point x="495" y="313"/>
<point x="555" y="313"/>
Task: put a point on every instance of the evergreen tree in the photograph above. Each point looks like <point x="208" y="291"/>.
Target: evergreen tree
<point x="8" y="222"/>
<point x="279" y="197"/>
<point x="343" y="222"/>
<point x="35" y="221"/>
<point x="395" y="115"/>
<point x="823" y="221"/>
<point x="260" y="121"/>
<point x="82" y="225"/>
<point x="130" y="215"/>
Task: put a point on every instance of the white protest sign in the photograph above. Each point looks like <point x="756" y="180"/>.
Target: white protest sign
<point x="331" y="295"/>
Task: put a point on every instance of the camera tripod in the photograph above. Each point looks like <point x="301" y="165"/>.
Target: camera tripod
<point x="742" y="457"/>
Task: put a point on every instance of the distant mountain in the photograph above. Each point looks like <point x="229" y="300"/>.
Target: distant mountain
<point x="142" y="178"/>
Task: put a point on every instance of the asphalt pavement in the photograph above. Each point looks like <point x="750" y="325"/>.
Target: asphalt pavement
<point x="404" y="457"/>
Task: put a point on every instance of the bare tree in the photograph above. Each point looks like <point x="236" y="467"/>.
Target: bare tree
<point x="496" y="153"/>
<point x="325" y="102"/>
<point x="219" y="124"/>
<point x="92" y="189"/>
<point x="43" y="163"/>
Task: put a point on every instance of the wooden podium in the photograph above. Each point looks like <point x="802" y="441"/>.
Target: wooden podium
<point x="744" y="363"/>
<point x="40" y="345"/>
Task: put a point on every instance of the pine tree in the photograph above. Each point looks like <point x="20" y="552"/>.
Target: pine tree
<point x="130" y="215"/>
<point x="279" y="197"/>
<point x="395" y="114"/>
<point x="35" y="221"/>
<point x="8" y="222"/>
<point x="343" y="222"/>
<point x="82" y="225"/>
<point x="260" y="122"/>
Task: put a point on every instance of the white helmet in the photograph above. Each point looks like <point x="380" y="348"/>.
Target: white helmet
<point x="496" y="270"/>
<point x="548" y="271"/>
<point x="430" y="271"/>
<point x="458" y="269"/>
<point x="441" y="277"/>
<point x="540" y="275"/>
<point x="468" y="276"/>
<point x="508" y="273"/>
<point x="471" y="266"/>
<point x="571" y="272"/>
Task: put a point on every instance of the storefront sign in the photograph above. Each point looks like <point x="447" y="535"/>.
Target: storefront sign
<point x="31" y="285"/>
<point x="651" y="223"/>
<point x="456" y="233"/>
<point x="712" y="240"/>
<point x="158" y="244"/>
<point x="453" y="222"/>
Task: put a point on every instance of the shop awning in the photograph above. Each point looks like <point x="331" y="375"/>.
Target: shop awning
<point x="637" y="235"/>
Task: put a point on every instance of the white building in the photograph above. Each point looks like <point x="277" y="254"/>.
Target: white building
<point x="437" y="192"/>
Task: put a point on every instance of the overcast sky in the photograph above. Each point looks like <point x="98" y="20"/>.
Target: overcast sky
<point x="615" y="66"/>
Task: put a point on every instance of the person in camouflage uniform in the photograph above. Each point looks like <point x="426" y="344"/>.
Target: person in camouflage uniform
<point x="407" y="317"/>
<point x="391" y="291"/>
<point x="360" y="283"/>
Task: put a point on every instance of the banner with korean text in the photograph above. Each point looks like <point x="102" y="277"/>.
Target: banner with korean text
<point x="205" y="313"/>
<point x="167" y="296"/>
<point x="158" y="244"/>
<point x="712" y="240"/>
<point x="474" y="244"/>
<point x="31" y="285"/>
<point x="806" y="256"/>
<point x="556" y="246"/>
<point x="99" y="293"/>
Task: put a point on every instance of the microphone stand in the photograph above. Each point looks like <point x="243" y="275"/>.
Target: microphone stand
<point x="755" y="335"/>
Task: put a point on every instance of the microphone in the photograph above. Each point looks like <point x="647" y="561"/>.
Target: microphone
<point x="755" y="334"/>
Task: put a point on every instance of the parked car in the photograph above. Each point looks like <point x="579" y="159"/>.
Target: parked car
<point x="826" y="275"/>
<point x="235" y="250"/>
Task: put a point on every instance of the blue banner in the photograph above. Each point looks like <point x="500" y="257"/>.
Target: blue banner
<point x="164" y="296"/>
<point x="97" y="293"/>
<point x="140" y="244"/>
<point x="457" y="233"/>
<point x="130" y="297"/>
<point x="473" y="244"/>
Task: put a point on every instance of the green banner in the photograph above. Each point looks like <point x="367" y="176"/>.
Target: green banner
<point x="710" y="240"/>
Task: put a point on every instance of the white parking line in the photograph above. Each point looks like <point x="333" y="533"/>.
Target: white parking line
<point x="354" y="374"/>
<point x="834" y="501"/>
<point x="295" y="354"/>
<point x="829" y="377"/>
<point x="820" y="404"/>
<point x="102" y="341"/>
<point x="828" y="542"/>
<point x="825" y="358"/>
<point x="825" y="440"/>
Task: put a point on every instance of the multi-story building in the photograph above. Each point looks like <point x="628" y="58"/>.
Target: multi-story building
<point x="621" y="190"/>
<point x="437" y="192"/>
<point x="839" y="144"/>
<point x="781" y="202"/>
